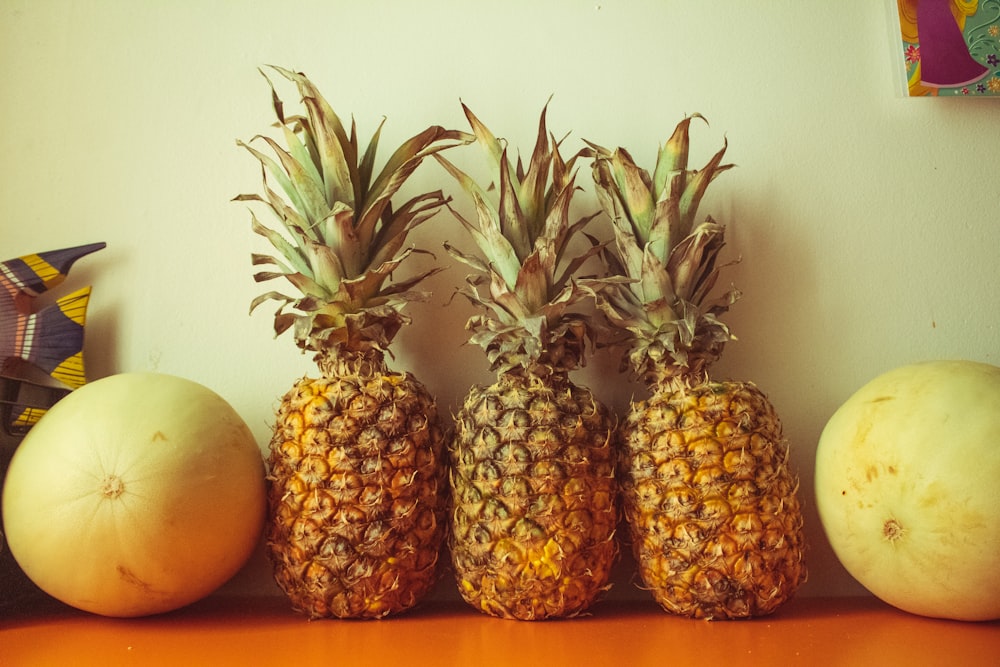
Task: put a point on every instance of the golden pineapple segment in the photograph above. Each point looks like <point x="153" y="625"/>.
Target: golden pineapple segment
<point x="357" y="492"/>
<point x="712" y="508"/>
<point x="714" y="519"/>
<point x="532" y="472"/>
<point x="356" y="462"/>
<point x="534" y="514"/>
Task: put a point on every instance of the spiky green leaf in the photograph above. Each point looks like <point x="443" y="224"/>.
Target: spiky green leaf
<point x="672" y="157"/>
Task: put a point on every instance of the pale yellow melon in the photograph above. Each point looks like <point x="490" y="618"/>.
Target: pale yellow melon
<point x="136" y="494"/>
<point x="908" y="488"/>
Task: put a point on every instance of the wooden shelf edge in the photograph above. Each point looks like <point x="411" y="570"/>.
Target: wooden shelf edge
<point x="263" y="630"/>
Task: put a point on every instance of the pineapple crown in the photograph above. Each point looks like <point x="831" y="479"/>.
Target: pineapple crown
<point x="522" y="229"/>
<point x="341" y="237"/>
<point x="660" y="278"/>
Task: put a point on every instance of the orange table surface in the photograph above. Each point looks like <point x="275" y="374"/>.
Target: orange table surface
<point x="228" y="630"/>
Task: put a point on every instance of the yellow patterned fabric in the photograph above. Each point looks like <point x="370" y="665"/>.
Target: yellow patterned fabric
<point x="50" y="339"/>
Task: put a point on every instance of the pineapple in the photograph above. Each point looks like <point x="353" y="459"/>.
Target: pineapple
<point x="356" y="466"/>
<point x="532" y="470"/>
<point x="712" y="510"/>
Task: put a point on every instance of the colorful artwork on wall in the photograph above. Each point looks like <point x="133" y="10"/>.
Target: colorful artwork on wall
<point x="49" y="339"/>
<point x="951" y="47"/>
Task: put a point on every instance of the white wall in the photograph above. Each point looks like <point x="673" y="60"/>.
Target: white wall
<point x="866" y="221"/>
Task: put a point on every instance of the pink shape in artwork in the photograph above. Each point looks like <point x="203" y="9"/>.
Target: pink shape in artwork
<point x="945" y="61"/>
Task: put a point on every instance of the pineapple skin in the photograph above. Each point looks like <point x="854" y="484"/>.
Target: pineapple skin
<point x="357" y="492"/>
<point x="711" y="505"/>
<point x="534" y="498"/>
